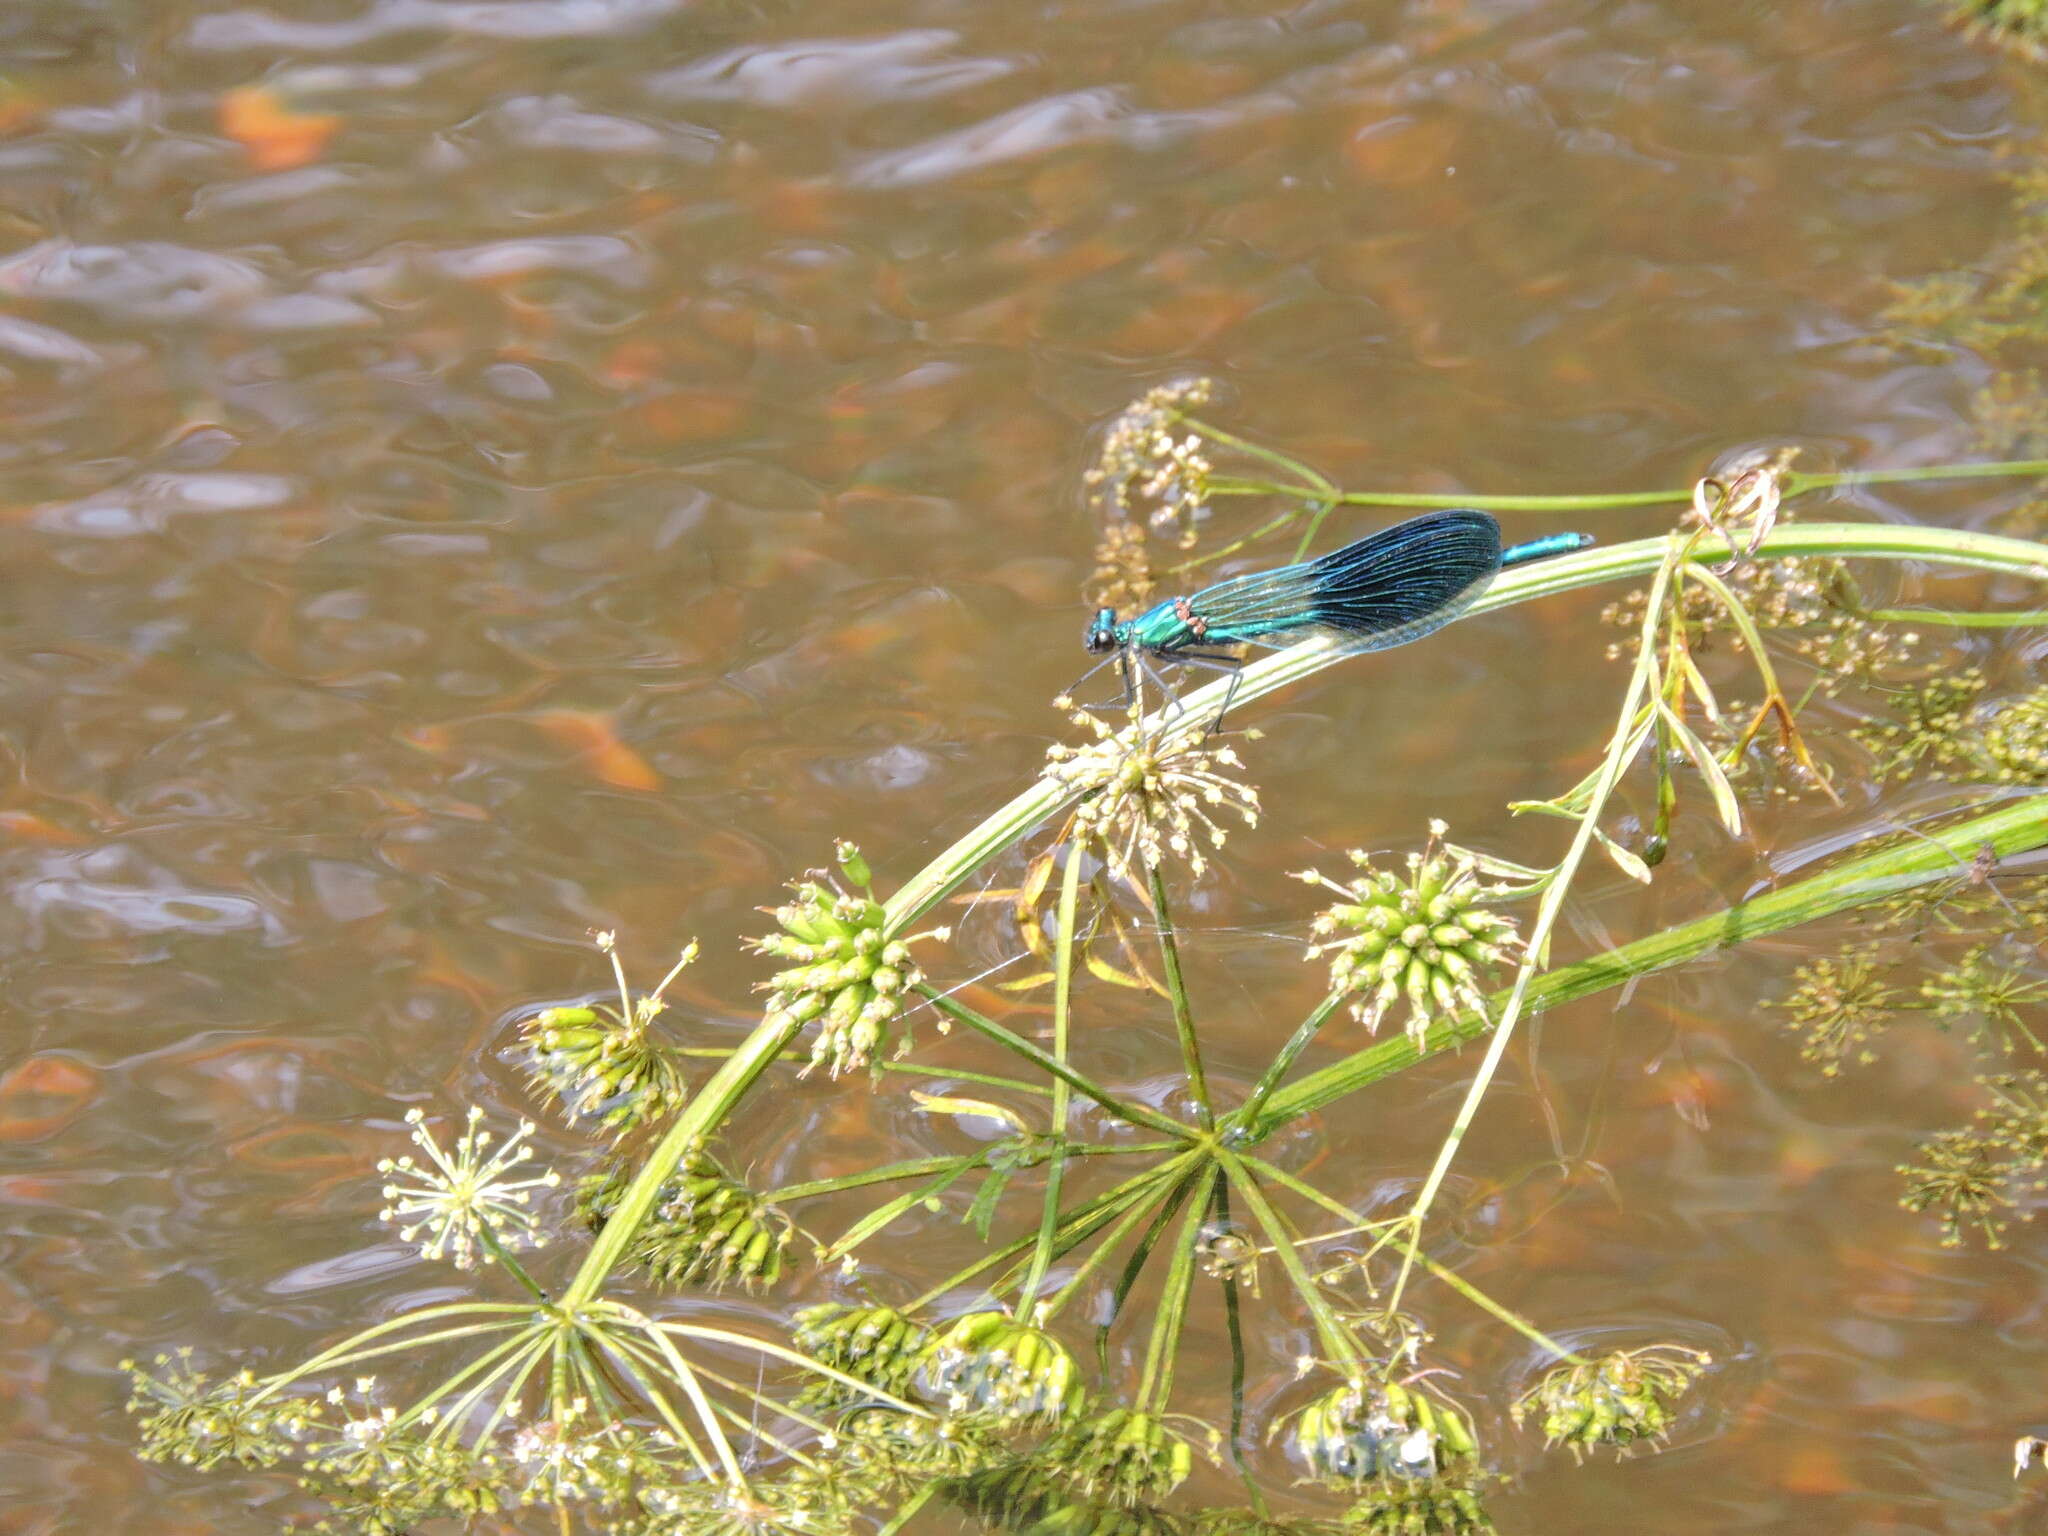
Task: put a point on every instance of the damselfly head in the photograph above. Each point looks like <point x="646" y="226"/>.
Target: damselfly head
<point x="1101" y="636"/>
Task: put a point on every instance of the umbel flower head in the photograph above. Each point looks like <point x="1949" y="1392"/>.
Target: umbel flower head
<point x="848" y="973"/>
<point x="1122" y="1455"/>
<point x="1420" y="1507"/>
<point x="1838" y="1006"/>
<point x="604" y="1063"/>
<point x="988" y="1362"/>
<point x="706" y="1228"/>
<point x="1152" y="800"/>
<point x="1977" y="1176"/>
<point x="1359" y="1431"/>
<point x="1620" y="1399"/>
<point x="2013" y="739"/>
<point x="1150" y="471"/>
<point x="461" y="1204"/>
<point x="2001" y="995"/>
<point x="198" y="1422"/>
<point x="1427" y="937"/>
<point x="878" y="1345"/>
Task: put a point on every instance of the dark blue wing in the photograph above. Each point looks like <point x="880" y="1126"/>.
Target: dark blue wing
<point x="1405" y="581"/>
<point x="1394" y="586"/>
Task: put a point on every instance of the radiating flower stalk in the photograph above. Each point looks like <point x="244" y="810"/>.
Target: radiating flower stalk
<point x="975" y="1389"/>
<point x="461" y="1203"/>
<point x="607" y="1065"/>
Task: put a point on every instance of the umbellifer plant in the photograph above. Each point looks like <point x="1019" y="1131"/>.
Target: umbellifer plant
<point x="602" y="1406"/>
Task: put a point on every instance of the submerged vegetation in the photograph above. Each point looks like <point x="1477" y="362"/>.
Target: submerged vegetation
<point x="2020" y="25"/>
<point x="1041" y="1386"/>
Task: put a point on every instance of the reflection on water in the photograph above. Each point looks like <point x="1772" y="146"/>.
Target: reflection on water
<point x="481" y="473"/>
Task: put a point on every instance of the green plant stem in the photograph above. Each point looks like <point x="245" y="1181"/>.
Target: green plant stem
<point x="1344" y="1352"/>
<point x="2019" y="826"/>
<point x="512" y="1266"/>
<point x="1155" y="1381"/>
<point x="1450" y="1277"/>
<point x="1551" y="904"/>
<point x="700" y="1117"/>
<point x="1141" y="1255"/>
<point x="894" y="1068"/>
<point x="354" y="1347"/>
<point x="982" y="1079"/>
<point x="1225" y="485"/>
<point x="1085" y="1219"/>
<point x="1546" y="578"/>
<point x="1062" y="1013"/>
<point x="911" y="1506"/>
<point x="1177" y="994"/>
<point x="1132" y="1113"/>
<point x="1233" y="1328"/>
<point x="931" y="885"/>
<point x="1103" y="1252"/>
<point x="1795" y="484"/>
<point x="1248" y="1113"/>
<point x="917" y="1167"/>
<point x="1955" y="618"/>
<point x="1316" y="484"/>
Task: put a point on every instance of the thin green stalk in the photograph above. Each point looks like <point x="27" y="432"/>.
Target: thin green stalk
<point x="911" y="1506"/>
<point x="1084" y="1219"/>
<point x="1955" y="618"/>
<point x="1225" y="551"/>
<point x="411" y="1345"/>
<point x="1062" y="1014"/>
<point x="915" y="1167"/>
<point x="1551" y="904"/>
<point x="1155" y="1380"/>
<point x="511" y="1265"/>
<point x="1316" y="483"/>
<point x="2020" y="826"/>
<point x="352" y="1346"/>
<point x="1141" y="1255"/>
<point x="682" y="1376"/>
<point x="1795" y="484"/>
<point x="1102" y="1253"/>
<point x="1177" y="994"/>
<point x="1450" y="1277"/>
<point x="628" y="1358"/>
<point x="1131" y="1113"/>
<point x="700" y="1117"/>
<point x="508" y="1400"/>
<point x="887" y="1212"/>
<point x="1045" y="798"/>
<point x="1344" y="1352"/>
<point x="1233" y="1328"/>
<point x="1248" y="1113"/>
<point x="923" y="1165"/>
<point x="1223" y="485"/>
<point x="984" y="1079"/>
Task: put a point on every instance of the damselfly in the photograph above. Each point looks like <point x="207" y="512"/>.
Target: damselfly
<point x="1388" y="588"/>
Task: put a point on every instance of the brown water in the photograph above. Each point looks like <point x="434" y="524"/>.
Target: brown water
<point x="479" y="472"/>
